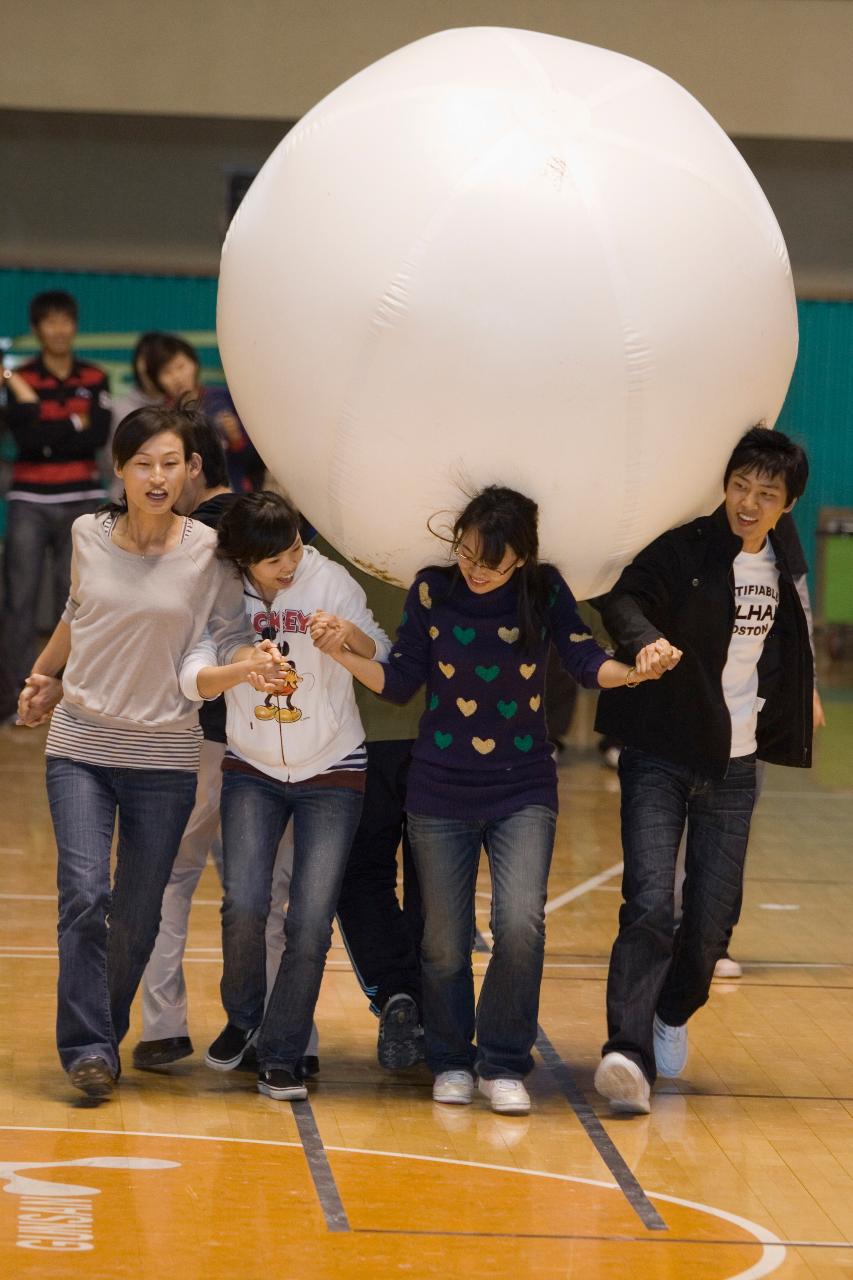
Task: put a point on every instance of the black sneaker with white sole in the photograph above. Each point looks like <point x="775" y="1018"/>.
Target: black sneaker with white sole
<point x="281" y="1084"/>
<point x="400" y="1042"/>
<point x="228" y="1048"/>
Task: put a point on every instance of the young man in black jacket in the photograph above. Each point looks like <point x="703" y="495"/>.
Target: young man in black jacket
<point x="720" y="590"/>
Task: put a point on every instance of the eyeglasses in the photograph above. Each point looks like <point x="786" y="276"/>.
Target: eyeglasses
<point x="470" y="563"/>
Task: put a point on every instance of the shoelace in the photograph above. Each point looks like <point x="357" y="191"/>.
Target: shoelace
<point x="457" y="1077"/>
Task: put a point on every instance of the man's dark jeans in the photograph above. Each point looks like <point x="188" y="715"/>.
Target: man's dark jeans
<point x="382" y="939"/>
<point x="652" y="971"/>
<point x="32" y="528"/>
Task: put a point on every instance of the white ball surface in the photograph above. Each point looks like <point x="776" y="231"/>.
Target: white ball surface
<point x="501" y="256"/>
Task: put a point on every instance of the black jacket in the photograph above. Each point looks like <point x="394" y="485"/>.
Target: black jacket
<point x="682" y="587"/>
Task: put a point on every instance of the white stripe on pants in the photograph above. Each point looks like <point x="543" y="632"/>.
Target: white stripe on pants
<point x="164" y="993"/>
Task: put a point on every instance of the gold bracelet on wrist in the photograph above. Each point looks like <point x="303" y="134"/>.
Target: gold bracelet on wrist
<point x="629" y="683"/>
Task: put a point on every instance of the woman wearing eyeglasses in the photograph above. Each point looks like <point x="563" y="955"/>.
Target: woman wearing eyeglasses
<point x="477" y="633"/>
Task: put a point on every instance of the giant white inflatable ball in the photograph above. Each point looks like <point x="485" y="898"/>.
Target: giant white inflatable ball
<point x="500" y="256"/>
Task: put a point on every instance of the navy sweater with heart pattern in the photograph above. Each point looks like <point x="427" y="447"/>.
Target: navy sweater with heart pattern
<point x="482" y="749"/>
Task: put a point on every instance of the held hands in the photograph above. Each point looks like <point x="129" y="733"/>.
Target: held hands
<point x="262" y="667"/>
<point x="654" y="659"/>
<point x="330" y="633"/>
<point x="38" y="697"/>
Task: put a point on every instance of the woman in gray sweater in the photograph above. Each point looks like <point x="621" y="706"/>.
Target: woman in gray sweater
<point x="145" y="584"/>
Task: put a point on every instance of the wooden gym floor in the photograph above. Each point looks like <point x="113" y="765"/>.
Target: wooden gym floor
<point x="744" y="1168"/>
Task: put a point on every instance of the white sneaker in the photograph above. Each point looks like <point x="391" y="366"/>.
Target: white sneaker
<point x="670" y="1048"/>
<point x="508" y="1097"/>
<point x="453" y="1086"/>
<point x="624" y="1084"/>
<point x="726" y="967"/>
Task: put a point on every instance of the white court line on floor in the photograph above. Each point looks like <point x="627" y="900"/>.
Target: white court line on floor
<point x="773" y="1252"/>
<point x="593" y="883"/>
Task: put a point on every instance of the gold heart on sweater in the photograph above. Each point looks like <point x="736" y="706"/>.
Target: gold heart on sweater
<point x="527" y="669"/>
<point x="483" y="745"/>
<point x="466" y="707"/>
<point x="433" y="631"/>
<point x="424" y="595"/>
<point x="508" y="634"/>
<point x="535" y="703"/>
<point x="447" y="670"/>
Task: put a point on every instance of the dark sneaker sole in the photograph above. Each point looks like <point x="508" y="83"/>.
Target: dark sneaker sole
<point x="146" y="1060"/>
<point x="93" y="1078"/>
<point x="400" y="1042"/>
<point x="292" y="1093"/>
<point x="228" y="1064"/>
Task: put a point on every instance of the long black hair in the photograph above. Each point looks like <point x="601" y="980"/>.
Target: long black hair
<point x="143" y="425"/>
<point x="504" y="518"/>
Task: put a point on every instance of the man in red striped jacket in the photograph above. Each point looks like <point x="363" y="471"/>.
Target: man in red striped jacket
<point x="58" y="410"/>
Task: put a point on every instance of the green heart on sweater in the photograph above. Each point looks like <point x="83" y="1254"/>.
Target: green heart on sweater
<point x="433" y="702"/>
<point x="404" y="619"/>
<point x="464" y="634"/>
<point x="444" y="740"/>
<point x="525" y="743"/>
<point x="487" y="673"/>
<point x="507" y="709"/>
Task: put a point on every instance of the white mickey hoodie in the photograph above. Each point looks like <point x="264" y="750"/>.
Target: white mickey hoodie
<point x="267" y="733"/>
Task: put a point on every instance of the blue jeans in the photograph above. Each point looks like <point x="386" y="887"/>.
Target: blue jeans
<point x="255" y="812"/>
<point x="446" y="853"/>
<point x="652" y="971"/>
<point x="32" y="528"/>
<point x="105" y="938"/>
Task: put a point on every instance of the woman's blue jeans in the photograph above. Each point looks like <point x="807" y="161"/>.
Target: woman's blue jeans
<point x="447" y="853"/>
<point x="652" y="971"/>
<point x="255" y="812"/>
<point x="106" y="937"/>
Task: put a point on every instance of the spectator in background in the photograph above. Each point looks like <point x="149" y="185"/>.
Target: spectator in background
<point x="174" y="367"/>
<point x="58" y="410"/>
<point x="140" y="395"/>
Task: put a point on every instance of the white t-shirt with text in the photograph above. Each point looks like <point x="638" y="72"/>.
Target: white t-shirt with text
<point x="756" y="600"/>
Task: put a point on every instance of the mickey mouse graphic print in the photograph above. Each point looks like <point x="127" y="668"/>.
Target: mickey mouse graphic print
<point x="756" y="584"/>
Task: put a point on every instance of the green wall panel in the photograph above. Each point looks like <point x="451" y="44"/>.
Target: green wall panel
<point x="818" y="412"/>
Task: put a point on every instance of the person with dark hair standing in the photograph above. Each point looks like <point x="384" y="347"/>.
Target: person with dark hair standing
<point x="58" y="411"/>
<point x="477" y="633"/>
<point x="721" y="589"/>
<point x="140" y="395"/>
<point x="125" y="741"/>
<point x="383" y="938"/>
<point x="174" y="367"/>
<point x="296" y="753"/>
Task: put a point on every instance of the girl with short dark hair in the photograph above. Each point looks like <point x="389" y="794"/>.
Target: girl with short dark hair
<point x="295" y="751"/>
